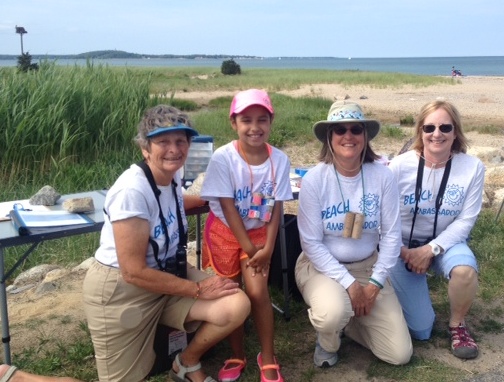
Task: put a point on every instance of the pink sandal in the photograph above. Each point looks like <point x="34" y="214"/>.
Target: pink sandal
<point x="231" y="373"/>
<point x="275" y="366"/>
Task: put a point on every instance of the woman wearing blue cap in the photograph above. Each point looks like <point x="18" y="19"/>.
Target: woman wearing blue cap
<point x="140" y="279"/>
<point x="350" y="233"/>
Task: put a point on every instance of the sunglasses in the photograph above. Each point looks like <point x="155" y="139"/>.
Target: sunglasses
<point x="341" y="130"/>
<point x="444" y="128"/>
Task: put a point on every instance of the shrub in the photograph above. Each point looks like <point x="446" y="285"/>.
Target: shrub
<point x="407" y="120"/>
<point x="230" y="67"/>
<point x="392" y="132"/>
<point x="24" y="63"/>
<point x="184" y="104"/>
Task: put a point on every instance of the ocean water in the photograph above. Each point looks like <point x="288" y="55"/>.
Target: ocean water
<point x="438" y="66"/>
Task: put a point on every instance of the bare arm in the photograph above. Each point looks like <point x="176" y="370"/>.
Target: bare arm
<point x="192" y="201"/>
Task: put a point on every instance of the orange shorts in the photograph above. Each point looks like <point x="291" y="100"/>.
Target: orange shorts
<point x="222" y="251"/>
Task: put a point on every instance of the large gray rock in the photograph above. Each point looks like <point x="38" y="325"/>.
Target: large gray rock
<point x="46" y="196"/>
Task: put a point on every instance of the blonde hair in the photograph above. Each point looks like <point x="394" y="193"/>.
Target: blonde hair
<point x="459" y="144"/>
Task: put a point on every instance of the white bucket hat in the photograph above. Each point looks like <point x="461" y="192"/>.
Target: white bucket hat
<point x="345" y="112"/>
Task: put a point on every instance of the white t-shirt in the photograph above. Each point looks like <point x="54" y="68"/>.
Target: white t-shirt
<point x="132" y="196"/>
<point x="461" y="202"/>
<point x="229" y="176"/>
<point x="321" y="216"/>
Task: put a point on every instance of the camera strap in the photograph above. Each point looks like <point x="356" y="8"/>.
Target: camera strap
<point x="182" y="234"/>
<point x="439" y="197"/>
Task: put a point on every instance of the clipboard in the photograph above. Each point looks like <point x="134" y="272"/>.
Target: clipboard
<point x="32" y="222"/>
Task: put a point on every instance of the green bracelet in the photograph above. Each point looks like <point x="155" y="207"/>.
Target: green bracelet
<point x="374" y="282"/>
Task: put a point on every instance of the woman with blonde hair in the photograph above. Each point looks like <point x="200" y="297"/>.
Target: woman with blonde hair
<point x="440" y="194"/>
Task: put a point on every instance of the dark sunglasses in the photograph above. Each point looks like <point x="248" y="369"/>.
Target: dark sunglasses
<point x="355" y="130"/>
<point x="444" y="128"/>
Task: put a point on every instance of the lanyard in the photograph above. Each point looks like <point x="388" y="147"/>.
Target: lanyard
<point x="341" y="189"/>
<point x="439" y="197"/>
<point x="240" y="150"/>
<point x="182" y="233"/>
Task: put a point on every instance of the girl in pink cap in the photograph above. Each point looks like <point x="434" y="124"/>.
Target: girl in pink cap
<point x="246" y="182"/>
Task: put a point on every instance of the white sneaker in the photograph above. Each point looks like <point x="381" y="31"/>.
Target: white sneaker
<point x="323" y="358"/>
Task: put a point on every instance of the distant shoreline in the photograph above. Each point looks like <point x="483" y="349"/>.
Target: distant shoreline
<point x="434" y="66"/>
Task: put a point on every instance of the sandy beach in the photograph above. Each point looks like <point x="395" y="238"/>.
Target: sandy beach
<point x="480" y="100"/>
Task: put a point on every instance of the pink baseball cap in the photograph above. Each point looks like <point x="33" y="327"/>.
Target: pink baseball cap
<point x="250" y="97"/>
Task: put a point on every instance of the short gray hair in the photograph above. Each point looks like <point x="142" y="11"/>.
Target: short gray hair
<point x="159" y="116"/>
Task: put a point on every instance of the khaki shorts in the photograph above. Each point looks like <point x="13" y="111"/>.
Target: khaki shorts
<point x="123" y="318"/>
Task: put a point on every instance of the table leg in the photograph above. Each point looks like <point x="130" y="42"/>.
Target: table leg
<point x="198" y="240"/>
<point x="285" y="277"/>
<point x="3" y="312"/>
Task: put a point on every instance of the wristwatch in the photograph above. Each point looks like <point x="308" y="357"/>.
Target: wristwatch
<point x="436" y="249"/>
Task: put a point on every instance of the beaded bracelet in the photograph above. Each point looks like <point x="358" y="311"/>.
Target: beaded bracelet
<point x="198" y="291"/>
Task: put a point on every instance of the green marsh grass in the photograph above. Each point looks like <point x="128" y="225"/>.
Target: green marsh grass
<point x="167" y="80"/>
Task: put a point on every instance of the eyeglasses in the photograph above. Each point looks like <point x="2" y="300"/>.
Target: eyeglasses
<point x="444" y="128"/>
<point x="341" y="130"/>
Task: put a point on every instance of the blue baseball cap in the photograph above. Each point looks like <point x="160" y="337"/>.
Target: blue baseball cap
<point x="158" y="130"/>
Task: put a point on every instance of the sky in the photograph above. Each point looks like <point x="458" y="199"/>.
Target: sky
<point x="267" y="28"/>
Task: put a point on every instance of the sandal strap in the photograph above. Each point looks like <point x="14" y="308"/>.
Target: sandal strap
<point x="183" y="370"/>
<point x="270" y="367"/>
<point x="8" y="375"/>
<point x="235" y="360"/>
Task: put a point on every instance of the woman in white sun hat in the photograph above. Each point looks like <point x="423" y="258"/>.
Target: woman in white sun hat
<point x="350" y="233"/>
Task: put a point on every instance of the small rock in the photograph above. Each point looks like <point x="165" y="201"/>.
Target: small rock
<point x="34" y="275"/>
<point x="46" y="287"/>
<point x="55" y="274"/>
<point x="46" y="196"/>
<point x="195" y="188"/>
<point x="78" y="205"/>
<point x="13" y="290"/>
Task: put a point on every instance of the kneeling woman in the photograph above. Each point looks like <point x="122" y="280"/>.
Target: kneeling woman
<point x="135" y="283"/>
<point x="347" y="210"/>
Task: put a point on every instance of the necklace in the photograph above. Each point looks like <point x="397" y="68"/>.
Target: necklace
<point x="435" y="164"/>
<point x="268" y="147"/>
<point x="433" y="168"/>
<point x="362" y="182"/>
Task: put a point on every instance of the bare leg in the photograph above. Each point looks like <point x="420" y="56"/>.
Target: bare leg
<point x="256" y="288"/>
<point x="236" y="338"/>
<point x="22" y="376"/>
<point x="462" y="289"/>
<point x="220" y="318"/>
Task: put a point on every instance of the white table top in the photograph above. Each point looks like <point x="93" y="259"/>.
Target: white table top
<point x="10" y="237"/>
